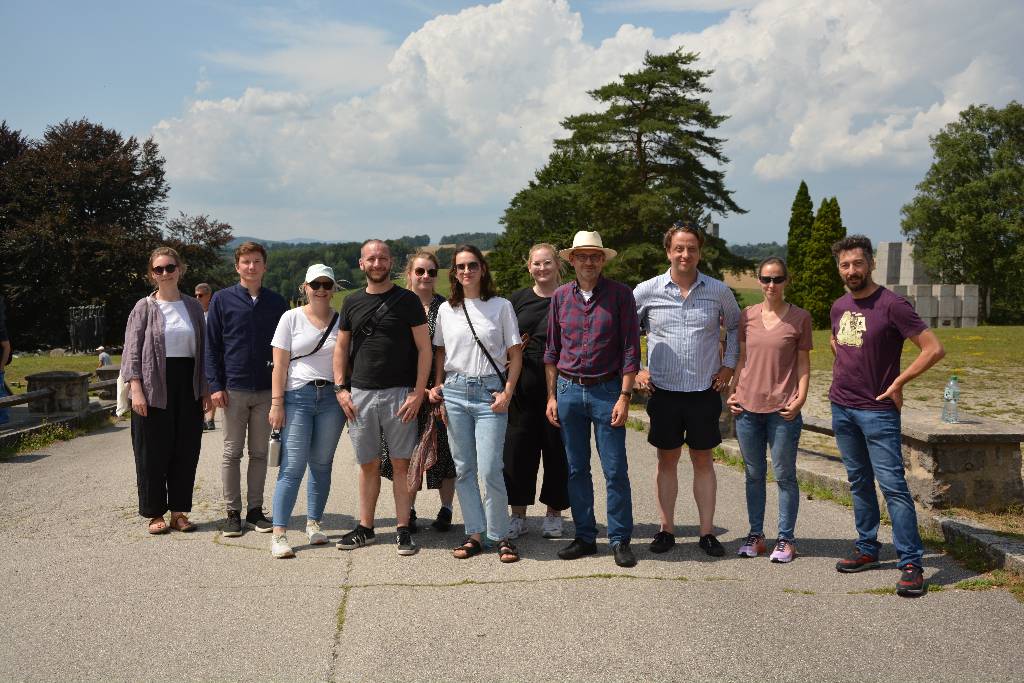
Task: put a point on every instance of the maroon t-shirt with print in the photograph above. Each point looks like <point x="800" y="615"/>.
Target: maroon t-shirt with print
<point x="869" y="336"/>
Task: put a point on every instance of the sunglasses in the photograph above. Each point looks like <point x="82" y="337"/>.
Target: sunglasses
<point x="766" y="279"/>
<point x="169" y="268"/>
<point x="472" y="266"/>
<point x="317" y="284"/>
<point x="432" y="272"/>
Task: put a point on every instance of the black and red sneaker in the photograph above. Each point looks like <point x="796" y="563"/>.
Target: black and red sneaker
<point x="857" y="562"/>
<point x="911" y="583"/>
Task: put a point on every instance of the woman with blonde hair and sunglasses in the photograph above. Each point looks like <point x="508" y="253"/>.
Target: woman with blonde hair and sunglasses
<point x="478" y="359"/>
<point x="421" y="276"/>
<point x="162" y="363"/>
<point x="303" y="406"/>
<point x="530" y="436"/>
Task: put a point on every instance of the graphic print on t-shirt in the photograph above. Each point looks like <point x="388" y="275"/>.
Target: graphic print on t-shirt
<point x="852" y="327"/>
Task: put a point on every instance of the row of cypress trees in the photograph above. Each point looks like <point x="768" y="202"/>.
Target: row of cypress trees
<point x="814" y="280"/>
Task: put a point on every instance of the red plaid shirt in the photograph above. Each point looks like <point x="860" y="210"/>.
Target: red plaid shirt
<point x="596" y="337"/>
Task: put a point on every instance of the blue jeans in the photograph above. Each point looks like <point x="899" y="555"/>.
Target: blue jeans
<point x="313" y="421"/>
<point x="870" y="443"/>
<point x="5" y="413"/>
<point x="580" y="407"/>
<point x="476" y="436"/>
<point x="756" y="432"/>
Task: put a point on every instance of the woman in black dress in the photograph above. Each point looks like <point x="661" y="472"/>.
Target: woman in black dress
<point x="529" y="436"/>
<point x="420" y="276"/>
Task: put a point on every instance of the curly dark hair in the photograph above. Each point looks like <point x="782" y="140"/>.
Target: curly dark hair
<point x="853" y="242"/>
<point x="487" y="289"/>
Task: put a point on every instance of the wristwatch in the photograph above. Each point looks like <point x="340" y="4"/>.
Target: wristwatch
<point x="338" y="388"/>
<point x="627" y="394"/>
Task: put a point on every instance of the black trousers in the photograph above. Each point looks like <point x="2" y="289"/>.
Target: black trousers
<point x="529" y="437"/>
<point x="166" y="444"/>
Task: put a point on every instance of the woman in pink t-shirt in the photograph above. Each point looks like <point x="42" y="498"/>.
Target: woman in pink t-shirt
<point x="772" y="376"/>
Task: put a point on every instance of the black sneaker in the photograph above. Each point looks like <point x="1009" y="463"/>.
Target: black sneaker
<point x="412" y="521"/>
<point x="577" y="549"/>
<point x="711" y="546"/>
<point x="624" y="557"/>
<point x="357" y="538"/>
<point x="911" y="583"/>
<point x="663" y="542"/>
<point x="258" y="521"/>
<point x="406" y="546"/>
<point x="233" y="525"/>
<point x="443" y="522"/>
<point x="857" y="562"/>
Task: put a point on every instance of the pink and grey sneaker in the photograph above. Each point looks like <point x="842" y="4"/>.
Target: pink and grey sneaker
<point x="753" y="546"/>
<point x="784" y="551"/>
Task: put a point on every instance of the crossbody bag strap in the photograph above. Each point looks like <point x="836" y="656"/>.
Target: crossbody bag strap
<point x="367" y="328"/>
<point x="501" y="375"/>
<point x="323" y="338"/>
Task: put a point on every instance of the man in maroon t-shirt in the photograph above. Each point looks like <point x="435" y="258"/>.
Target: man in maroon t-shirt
<point x="869" y="325"/>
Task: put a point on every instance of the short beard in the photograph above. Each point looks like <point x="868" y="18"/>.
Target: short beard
<point x="862" y="285"/>
<point x="378" y="280"/>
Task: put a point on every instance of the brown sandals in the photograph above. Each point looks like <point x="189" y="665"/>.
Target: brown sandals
<point x="180" y="522"/>
<point x="157" y="525"/>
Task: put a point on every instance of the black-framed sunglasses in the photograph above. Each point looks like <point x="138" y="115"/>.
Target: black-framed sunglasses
<point x="169" y="268"/>
<point x="432" y="272"/>
<point x="318" y="284"/>
<point x="472" y="266"/>
<point x="776" y="280"/>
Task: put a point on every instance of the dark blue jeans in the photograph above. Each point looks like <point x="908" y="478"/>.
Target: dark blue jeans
<point x="580" y="407"/>
<point x="756" y="432"/>
<point x="870" y="443"/>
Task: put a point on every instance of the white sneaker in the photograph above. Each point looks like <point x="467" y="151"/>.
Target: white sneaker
<point x="517" y="527"/>
<point x="316" y="537"/>
<point x="552" y="526"/>
<point x="279" y="547"/>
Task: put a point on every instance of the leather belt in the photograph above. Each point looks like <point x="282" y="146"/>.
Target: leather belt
<point x="589" y="381"/>
<point x="320" y="383"/>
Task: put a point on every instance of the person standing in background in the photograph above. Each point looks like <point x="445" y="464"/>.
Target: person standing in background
<point x="104" y="357"/>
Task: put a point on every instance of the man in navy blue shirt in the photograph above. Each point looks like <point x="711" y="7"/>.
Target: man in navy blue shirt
<point x="239" y="326"/>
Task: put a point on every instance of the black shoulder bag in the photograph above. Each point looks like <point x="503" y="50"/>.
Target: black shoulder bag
<point x="323" y="339"/>
<point x="367" y="328"/>
<point x="501" y="375"/>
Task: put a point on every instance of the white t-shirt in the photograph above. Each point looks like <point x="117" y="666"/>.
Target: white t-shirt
<point x="179" y="337"/>
<point x="495" y="323"/>
<point x="296" y="335"/>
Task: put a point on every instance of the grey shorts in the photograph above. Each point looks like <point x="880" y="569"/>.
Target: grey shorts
<point x="376" y="410"/>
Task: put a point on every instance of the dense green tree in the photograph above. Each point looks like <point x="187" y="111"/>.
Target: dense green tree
<point x="628" y="171"/>
<point x="967" y="220"/>
<point x="484" y="240"/>
<point x="820" y="275"/>
<point x="79" y="212"/>
<point x="801" y="220"/>
<point x="201" y="241"/>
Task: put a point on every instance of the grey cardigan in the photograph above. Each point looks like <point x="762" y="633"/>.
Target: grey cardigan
<point x="145" y="350"/>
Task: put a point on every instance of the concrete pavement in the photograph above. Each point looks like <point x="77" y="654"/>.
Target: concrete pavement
<point x="91" y="596"/>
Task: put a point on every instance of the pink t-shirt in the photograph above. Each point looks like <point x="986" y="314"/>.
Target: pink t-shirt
<point x="769" y="378"/>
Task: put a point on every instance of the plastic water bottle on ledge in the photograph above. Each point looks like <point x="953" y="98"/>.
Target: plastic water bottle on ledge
<point x="950" y="399"/>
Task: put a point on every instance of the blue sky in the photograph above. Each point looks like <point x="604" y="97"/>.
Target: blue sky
<point x="342" y="120"/>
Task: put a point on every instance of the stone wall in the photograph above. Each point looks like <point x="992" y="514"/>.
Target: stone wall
<point x="938" y="304"/>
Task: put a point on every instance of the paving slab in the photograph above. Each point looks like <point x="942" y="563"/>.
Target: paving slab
<point x="91" y="596"/>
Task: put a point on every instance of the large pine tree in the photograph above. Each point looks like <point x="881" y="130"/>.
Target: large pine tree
<point x="821" y="281"/>
<point x="801" y="220"/>
<point x="648" y="158"/>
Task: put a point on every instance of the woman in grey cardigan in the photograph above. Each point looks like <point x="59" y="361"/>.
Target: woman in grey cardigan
<point x="162" y="342"/>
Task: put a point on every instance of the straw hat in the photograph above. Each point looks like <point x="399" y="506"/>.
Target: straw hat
<point x="587" y="239"/>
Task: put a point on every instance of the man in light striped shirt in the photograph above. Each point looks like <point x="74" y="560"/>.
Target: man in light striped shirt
<point x="681" y="312"/>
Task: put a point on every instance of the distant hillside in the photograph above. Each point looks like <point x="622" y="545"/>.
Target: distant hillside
<point x="233" y="244"/>
<point x="484" y="240"/>
<point x="759" y="251"/>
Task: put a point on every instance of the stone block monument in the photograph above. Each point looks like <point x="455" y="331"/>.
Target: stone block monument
<point x="939" y="305"/>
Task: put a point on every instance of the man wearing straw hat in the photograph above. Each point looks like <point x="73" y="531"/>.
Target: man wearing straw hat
<point x="591" y="357"/>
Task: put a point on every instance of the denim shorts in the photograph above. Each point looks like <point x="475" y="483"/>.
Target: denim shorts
<point x="377" y="411"/>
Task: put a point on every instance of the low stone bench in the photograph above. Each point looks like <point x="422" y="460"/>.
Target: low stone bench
<point x="974" y="463"/>
<point x="108" y="372"/>
<point x="69" y="391"/>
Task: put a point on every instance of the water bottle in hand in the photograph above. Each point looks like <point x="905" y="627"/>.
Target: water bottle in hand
<point x="950" y="399"/>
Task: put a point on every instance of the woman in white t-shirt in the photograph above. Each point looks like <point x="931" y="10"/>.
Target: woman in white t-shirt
<point x="303" y="406"/>
<point x="161" y="362"/>
<point x="477" y="388"/>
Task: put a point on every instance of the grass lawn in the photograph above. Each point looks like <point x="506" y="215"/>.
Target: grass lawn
<point x="31" y="364"/>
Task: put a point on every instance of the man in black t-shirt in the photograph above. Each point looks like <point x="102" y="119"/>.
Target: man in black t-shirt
<point x="381" y="362"/>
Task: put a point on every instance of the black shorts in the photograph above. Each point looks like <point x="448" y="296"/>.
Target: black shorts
<point x="684" y="417"/>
